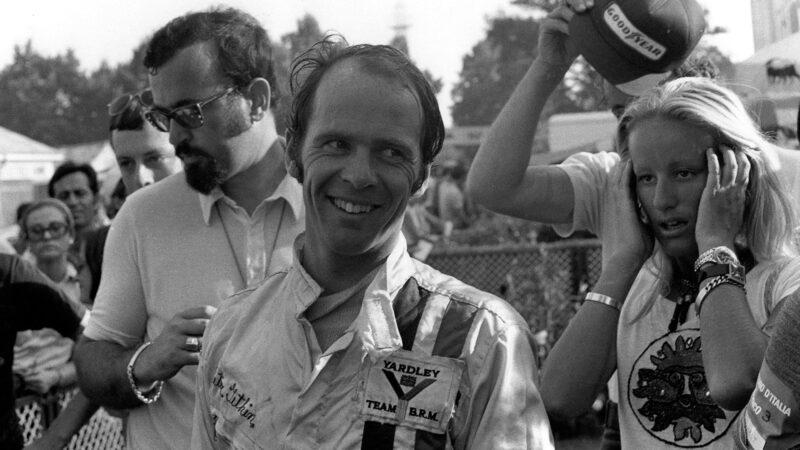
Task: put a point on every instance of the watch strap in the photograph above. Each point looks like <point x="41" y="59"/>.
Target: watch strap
<point x="734" y="270"/>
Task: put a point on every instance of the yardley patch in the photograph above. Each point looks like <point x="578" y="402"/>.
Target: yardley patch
<point x="616" y="20"/>
<point x="412" y="390"/>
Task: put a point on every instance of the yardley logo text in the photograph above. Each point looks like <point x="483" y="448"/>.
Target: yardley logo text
<point x="630" y="35"/>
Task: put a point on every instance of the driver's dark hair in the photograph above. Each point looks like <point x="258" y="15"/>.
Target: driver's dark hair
<point x="309" y="68"/>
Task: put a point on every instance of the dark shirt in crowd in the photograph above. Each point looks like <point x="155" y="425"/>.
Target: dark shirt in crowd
<point x="28" y="301"/>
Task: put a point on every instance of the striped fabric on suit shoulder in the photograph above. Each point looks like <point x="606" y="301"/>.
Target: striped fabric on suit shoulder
<point x="432" y="324"/>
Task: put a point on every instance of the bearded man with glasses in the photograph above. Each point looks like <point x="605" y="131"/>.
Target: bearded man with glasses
<point x="181" y="246"/>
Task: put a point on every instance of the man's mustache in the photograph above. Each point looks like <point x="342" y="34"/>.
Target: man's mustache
<point x="182" y="151"/>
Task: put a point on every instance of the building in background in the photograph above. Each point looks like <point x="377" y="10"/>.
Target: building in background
<point x="26" y="166"/>
<point x="571" y="133"/>
<point x="769" y="80"/>
<point x="774" y="20"/>
<point x="565" y="135"/>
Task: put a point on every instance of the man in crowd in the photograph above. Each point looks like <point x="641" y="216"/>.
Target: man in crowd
<point x="144" y="155"/>
<point x="366" y="347"/>
<point x="182" y="245"/>
<point x="452" y="204"/>
<point x="77" y="186"/>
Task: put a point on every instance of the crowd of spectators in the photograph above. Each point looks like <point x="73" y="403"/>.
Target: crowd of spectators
<point x="242" y="288"/>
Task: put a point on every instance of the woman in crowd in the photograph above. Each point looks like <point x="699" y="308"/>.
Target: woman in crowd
<point x="702" y="255"/>
<point x="42" y="357"/>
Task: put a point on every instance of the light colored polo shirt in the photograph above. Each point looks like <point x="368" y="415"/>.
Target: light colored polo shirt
<point x="167" y="251"/>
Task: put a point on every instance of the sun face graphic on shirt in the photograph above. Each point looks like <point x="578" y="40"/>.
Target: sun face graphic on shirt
<point x="668" y="392"/>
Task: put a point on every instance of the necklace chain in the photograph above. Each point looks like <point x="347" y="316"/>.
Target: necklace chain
<point x="230" y="246"/>
<point x="242" y="277"/>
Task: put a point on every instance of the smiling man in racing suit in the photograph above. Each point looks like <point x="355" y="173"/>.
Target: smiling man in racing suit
<point x="357" y="345"/>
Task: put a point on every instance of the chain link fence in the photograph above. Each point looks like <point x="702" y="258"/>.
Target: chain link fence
<point x="493" y="269"/>
<point x="544" y="282"/>
<point x="36" y="413"/>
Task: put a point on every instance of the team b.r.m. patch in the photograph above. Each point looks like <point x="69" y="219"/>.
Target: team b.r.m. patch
<point x="412" y="390"/>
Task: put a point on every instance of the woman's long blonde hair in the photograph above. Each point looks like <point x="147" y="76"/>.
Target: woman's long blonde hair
<point x="769" y="221"/>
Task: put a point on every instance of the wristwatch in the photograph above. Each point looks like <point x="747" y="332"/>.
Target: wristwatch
<point x="732" y="270"/>
<point x="716" y="255"/>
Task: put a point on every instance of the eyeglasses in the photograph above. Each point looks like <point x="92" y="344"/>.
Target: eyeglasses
<point x="187" y="116"/>
<point x="121" y="103"/>
<point x="36" y="233"/>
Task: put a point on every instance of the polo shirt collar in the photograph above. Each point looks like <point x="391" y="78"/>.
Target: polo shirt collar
<point x="207" y="202"/>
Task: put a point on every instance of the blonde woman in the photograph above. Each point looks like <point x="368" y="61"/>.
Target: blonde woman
<point x="701" y="257"/>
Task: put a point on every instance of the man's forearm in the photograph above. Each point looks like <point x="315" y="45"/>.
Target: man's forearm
<point x="102" y="373"/>
<point x="503" y="156"/>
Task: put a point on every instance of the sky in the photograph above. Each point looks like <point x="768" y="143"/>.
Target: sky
<point x="439" y="33"/>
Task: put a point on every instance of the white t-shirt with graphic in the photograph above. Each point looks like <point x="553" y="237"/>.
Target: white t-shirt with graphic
<point x="664" y="400"/>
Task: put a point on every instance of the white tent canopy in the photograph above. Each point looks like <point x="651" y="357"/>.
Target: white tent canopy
<point x="751" y="74"/>
<point x="786" y="48"/>
<point x="782" y="95"/>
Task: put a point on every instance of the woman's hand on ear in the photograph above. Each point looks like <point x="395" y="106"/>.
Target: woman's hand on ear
<point x="721" y="211"/>
<point x="629" y="240"/>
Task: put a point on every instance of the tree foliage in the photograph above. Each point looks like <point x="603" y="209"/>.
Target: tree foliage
<point x="491" y="71"/>
<point x="41" y="96"/>
<point x="52" y="100"/>
<point x="291" y="46"/>
<point x="713" y="54"/>
<point x="400" y="42"/>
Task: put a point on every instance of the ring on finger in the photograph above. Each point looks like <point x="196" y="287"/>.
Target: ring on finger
<point x="193" y="343"/>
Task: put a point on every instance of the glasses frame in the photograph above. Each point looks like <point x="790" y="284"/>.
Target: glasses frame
<point x="55" y="233"/>
<point x="176" y="115"/>
<point x="121" y="103"/>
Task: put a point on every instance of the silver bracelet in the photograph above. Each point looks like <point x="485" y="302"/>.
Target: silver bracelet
<point x="604" y="299"/>
<point x="152" y="394"/>
<point x="715" y="282"/>
<point x="713" y="255"/>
